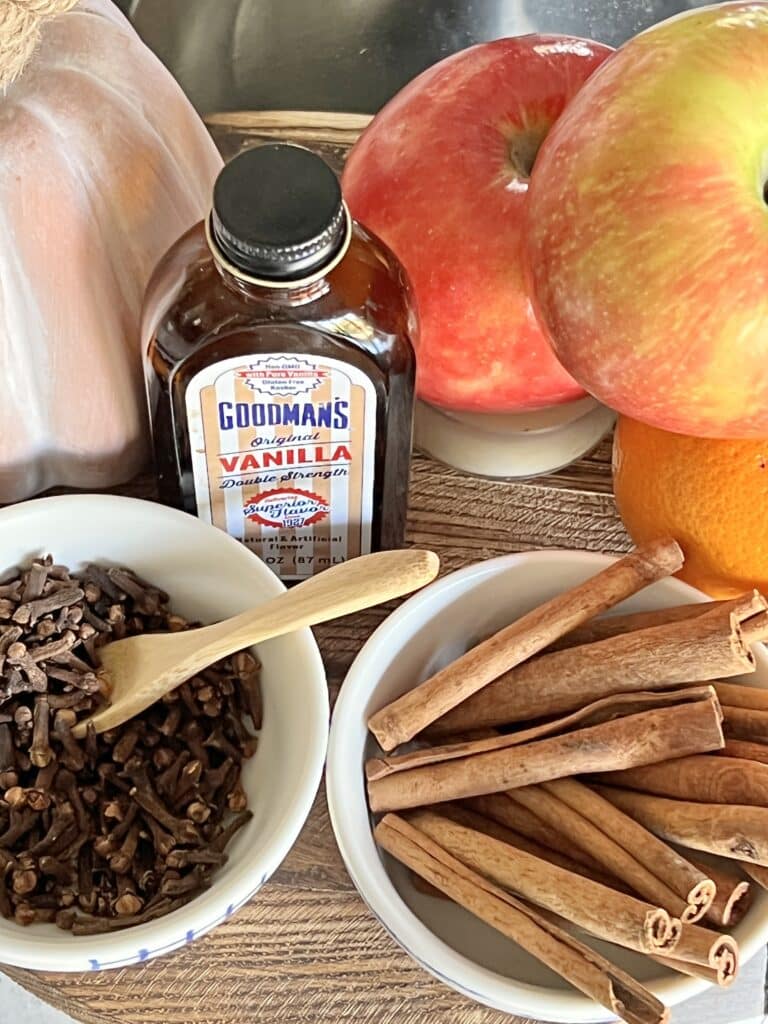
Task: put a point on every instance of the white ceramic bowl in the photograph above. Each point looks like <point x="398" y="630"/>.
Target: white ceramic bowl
<point x="209" y="576"/>
<point x="512" y="446"/>
<point x="425" y="633"/>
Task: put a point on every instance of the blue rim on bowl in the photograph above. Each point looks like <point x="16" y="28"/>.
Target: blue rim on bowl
<point x="98" y="526"/>
<point x="351" y="821"/>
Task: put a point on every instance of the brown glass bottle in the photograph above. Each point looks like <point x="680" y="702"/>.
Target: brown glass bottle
<point x="280" y="369"/>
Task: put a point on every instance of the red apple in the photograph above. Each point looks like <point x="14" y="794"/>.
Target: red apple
<point x="648" y="226"/>
<point x="441" y="175"/>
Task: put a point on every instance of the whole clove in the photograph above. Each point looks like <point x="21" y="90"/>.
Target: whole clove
<point x="86" y="681"/>
<point x="25" y="914"/>
<point x="7" y="753"/>
<point x="61" y="827"/>
<point x="175" y="884"/>
<point x="40" y="753"/>
<point x="126" y="745"/>
<point x="193" y="735"/>
<point x="45" y="776"/>
<point x="123" y="827"/>
<point x="53" y="650"/>
<point x="64" y="700"/>
<point x="189" y="779"/>
<point x="168" y="779"/>
<point x="226" y="833"/>
<point x="114" y="809"/>
<point x="162" y="759"/>
<point x="121" y="830"/>
<point x="222" y="743"/>
<point x="35" y="581"/>
<point x="120" y="862"/>
<point x="172" y="719"/>
<point x="183" y="830"/>
<point x="21" y="823"/>
<point x="24" y="881"/>
<point x="73" y="755"/>
<point x="56" y="599"/>
<point x="66" y="784"/>
<point x="127" y="903"/>
<point x="163" y="841"/>
<point x="22" y="717"/>
<point x="199" y="812"/>
<point x="18" y="656"/>
<point x="88" y="924"/>
<point x="248" y="671"/>
<point x="56" y="869"/>
<point x="38" y="799"/>
<point x="182" y="858"/>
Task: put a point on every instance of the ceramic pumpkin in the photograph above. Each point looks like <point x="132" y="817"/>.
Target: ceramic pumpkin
<point x="105" y="163"/>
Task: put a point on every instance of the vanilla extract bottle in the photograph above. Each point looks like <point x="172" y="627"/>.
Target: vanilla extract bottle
<point x="280" y="368"/>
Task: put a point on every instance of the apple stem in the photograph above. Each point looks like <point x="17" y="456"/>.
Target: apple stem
<point x="522" y="148"/>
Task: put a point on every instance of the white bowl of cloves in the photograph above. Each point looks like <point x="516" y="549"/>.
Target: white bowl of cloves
<point x="132" y="842"/>
<point x="548" y="778"/>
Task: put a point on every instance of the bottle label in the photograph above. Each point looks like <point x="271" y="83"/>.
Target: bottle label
<point x="283" y="457"/>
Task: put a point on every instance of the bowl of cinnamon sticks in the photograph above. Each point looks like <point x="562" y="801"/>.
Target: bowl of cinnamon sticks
<point x="126" y="844"/>
<point x="548" y="778"/>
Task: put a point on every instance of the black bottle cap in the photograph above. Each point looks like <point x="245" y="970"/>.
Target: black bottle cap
<point x="277" y="212"/>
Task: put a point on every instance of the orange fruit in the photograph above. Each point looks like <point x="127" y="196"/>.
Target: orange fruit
<point x="710" y="495"/>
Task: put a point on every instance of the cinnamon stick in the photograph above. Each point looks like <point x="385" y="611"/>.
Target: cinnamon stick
<point x="426" y="888"/>
<point x="693" y="970"/>
<point x="737" y="695"/>
<point x="471" y="819"/>
<point x="585" y="969"/>
<point x="702" y="777"/>
<point x="603" y="710"/>
<point x="757" y="872"/>
<point x="621" y="864"/>
<point x="755" y="629"/>
<point x="504" y="809"/>
<point x="602" y="911"/>
<point x="401" y="720"/>
<point x="703" y="648"/>
<point x="738" y="832"/>
<point x="643" y="738"/>
<point x="619" y="843"/>
<point x="699" y="952"/>
<point x="733" y="897"/>
<point x="745" y="724"/>
<point x="612" y="625"/>
<point x="745" y="750"/>
<point x="706" y="948"/>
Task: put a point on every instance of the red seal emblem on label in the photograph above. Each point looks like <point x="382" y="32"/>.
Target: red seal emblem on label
<point x="286" y="506"/>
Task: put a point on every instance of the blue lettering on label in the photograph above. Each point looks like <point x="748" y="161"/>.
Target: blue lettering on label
<point x="242" y="415"/>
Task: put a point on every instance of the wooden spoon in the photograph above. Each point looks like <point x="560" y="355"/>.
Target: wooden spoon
<point x="141" y="669"/>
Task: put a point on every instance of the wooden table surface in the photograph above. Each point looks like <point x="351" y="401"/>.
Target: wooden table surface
<point x="306" y="949"/>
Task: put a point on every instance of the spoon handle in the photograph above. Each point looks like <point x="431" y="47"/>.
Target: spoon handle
<point x="349" y="587"/>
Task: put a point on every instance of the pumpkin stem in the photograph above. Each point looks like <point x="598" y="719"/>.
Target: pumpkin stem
<point x="20" y="22"/>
